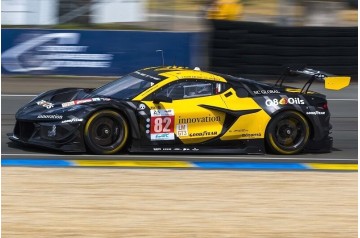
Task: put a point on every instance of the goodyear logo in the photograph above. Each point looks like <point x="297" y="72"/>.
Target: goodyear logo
<point x="204" y="133"/>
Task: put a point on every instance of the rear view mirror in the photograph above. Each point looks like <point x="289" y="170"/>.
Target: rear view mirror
<point x="161" y="98"/>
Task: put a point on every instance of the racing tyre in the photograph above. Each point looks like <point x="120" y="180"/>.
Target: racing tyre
<point x="106" y="132"/>
<point x="287" y="133"/>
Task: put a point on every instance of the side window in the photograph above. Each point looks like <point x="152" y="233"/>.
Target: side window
<point x="198" y="89"/>
<point x="186" y="89"/>
<point x="174" y="91"/>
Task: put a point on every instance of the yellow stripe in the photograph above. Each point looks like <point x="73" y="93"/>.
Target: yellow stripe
<point x="137" y="163"/>
<point x="353" y="167"/>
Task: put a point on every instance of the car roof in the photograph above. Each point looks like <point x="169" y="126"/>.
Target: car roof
<point x="160" y="73"/>
<point x="164" y="72"/>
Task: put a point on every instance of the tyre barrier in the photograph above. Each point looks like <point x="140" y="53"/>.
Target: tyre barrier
<point x="254" y="48"/>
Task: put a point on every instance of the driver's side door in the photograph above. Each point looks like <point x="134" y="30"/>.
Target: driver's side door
<point x="188" y="117"/>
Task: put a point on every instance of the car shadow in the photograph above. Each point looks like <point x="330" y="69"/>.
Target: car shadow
<point x="38" y="149"/>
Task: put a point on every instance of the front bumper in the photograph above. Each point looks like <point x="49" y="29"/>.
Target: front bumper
<point x="52" y="135"/>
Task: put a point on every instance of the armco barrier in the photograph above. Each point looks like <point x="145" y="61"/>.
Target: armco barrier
<point x="250" y="48"/>
<point x="94" y="52"/>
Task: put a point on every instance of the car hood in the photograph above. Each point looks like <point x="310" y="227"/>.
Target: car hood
<point x="53" y="103"/>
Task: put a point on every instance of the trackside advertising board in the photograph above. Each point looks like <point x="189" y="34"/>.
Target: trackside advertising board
<point x="93" y="52"/>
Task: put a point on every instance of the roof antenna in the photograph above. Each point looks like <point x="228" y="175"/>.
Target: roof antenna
<point x="162" y="56"/>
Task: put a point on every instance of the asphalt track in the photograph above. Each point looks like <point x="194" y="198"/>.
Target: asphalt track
<point x="16" y="91"/>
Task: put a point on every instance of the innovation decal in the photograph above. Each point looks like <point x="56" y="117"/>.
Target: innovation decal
<point x="199" y="119"/>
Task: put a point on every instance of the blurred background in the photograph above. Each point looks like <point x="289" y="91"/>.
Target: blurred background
<point x="248" y="37"/>
<point x="183" y="15"/>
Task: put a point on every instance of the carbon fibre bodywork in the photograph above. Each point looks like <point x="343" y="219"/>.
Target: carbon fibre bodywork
<point x="232" y="117"/>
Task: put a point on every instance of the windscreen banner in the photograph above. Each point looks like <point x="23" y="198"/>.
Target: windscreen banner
<point x="94" y="52"/>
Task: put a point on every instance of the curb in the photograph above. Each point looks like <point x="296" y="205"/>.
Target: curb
<point x="288" y="166"/>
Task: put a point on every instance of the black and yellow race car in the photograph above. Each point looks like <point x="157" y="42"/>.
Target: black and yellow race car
<point x="176" y="109"/>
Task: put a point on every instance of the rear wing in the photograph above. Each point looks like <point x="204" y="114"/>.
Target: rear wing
<point x="332" y="82"/>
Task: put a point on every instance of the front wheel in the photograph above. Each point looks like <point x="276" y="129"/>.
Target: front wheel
<point x="106" y="132"/>
<point x="287" y="133"/>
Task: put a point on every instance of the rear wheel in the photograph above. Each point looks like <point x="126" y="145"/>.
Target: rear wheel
<point x="106" y="132"/>
<point x="287" y="133"/>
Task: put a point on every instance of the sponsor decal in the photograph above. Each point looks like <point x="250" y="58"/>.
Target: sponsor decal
<point x="52" y="51"/>
<point x="181" y="130"/>
<point x="68" y="104"/>
<point x="186" y="149"/>
<point x="250" y="135"/>
<point x="284" y="101"/>
<point x="239" y="130"/>
<point x="162" y="124"/>
<point x="77" y="102"/>
<point x="52" y="131"/>
<point x="141" y="107"/>
<point x="204" y="76"/>
<point x="82" y="101"/>
<point x="55" y="116"/>
<point x="166" y="149"/>
<point x="177" y="149"/>
<point x="297" y="90"/>
<point x="146" y="75"/>
<point x="195" y="149"/>
<point x="270" y="91"/>
<point x="162" y="136"/>
<point x="46" y="104"/>
<point x="162" y="112"/>
<point x="156" y="149"/>
<point x="315" y="113"/>
<point x="199" y="119"/>
<point x="72" y="120"/>
<point x="204" y="133"/>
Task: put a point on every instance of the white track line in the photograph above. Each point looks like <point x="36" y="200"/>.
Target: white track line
<point x="178" y="157"/>
<point x="342" y="99"/>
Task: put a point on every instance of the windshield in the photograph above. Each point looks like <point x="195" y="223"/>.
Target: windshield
<point x="126" y="87"/>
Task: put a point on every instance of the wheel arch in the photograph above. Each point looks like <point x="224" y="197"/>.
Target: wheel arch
<point x="310" y="123"/>
<point x="128" y="114"/>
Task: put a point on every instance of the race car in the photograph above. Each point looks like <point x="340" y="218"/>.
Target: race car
<point x="177" y="109"/>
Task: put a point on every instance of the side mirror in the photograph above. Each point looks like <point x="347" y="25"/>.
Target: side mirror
<point x="161" y="98"/>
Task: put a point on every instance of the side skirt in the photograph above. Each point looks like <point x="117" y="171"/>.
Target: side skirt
<point x="255" y="146"/>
